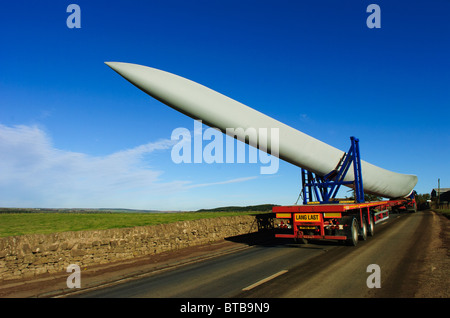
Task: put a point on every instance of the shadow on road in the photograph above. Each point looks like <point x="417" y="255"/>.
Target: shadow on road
<point x="267" y="238"/>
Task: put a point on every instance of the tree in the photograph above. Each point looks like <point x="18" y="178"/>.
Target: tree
<point x="422" y="201"/>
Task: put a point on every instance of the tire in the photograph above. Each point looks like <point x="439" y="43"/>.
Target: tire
<point x="371" y="227"/>
<point x="363" y="230"/>
<point x="352" y="235"/>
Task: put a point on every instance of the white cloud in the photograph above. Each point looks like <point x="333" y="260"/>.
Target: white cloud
<point x="33" y="173"/>
<point x="221" y="182"/>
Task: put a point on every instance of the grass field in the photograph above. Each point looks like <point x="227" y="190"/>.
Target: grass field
<point x="12" y="224"/>
<point x="445" y="212"/>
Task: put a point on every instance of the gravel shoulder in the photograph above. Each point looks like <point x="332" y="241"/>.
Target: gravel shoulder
<point x="434" y="279"/>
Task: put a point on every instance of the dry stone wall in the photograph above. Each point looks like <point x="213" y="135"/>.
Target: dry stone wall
<point x="31" y="255"/>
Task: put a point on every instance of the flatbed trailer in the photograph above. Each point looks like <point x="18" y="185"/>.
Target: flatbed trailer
<point x="349" y="222"/>
<point x="322" y="216"/>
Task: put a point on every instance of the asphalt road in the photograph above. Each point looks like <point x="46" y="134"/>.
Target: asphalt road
<point x="282" y="269"/>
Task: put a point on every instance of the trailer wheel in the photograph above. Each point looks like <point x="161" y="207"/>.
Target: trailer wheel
<point x="371" y="227"/>
<point x="352" y="236"/>
<point x="363" y="230"/>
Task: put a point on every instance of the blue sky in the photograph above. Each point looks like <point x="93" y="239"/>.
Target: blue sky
<point x="75" y="134"/>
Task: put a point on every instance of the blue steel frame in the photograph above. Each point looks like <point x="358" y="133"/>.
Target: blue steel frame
<point x="324" y="189"/>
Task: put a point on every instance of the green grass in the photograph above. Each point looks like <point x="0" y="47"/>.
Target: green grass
<point x="445" y="212"/>
<point x="12" y="224"/>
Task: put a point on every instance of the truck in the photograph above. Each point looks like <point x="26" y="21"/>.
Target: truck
<point x="324" y="167"/>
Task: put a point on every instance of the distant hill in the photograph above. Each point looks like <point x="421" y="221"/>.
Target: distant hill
<point x="74" y="210"/>
<point x="250" y="208"/>
<point x="259" y="208"/>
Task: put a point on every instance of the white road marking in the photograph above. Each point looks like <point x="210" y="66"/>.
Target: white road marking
<point x="262" y="281"/>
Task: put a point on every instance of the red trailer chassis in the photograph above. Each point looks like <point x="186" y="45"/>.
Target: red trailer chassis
<point x="348" y="222"/>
